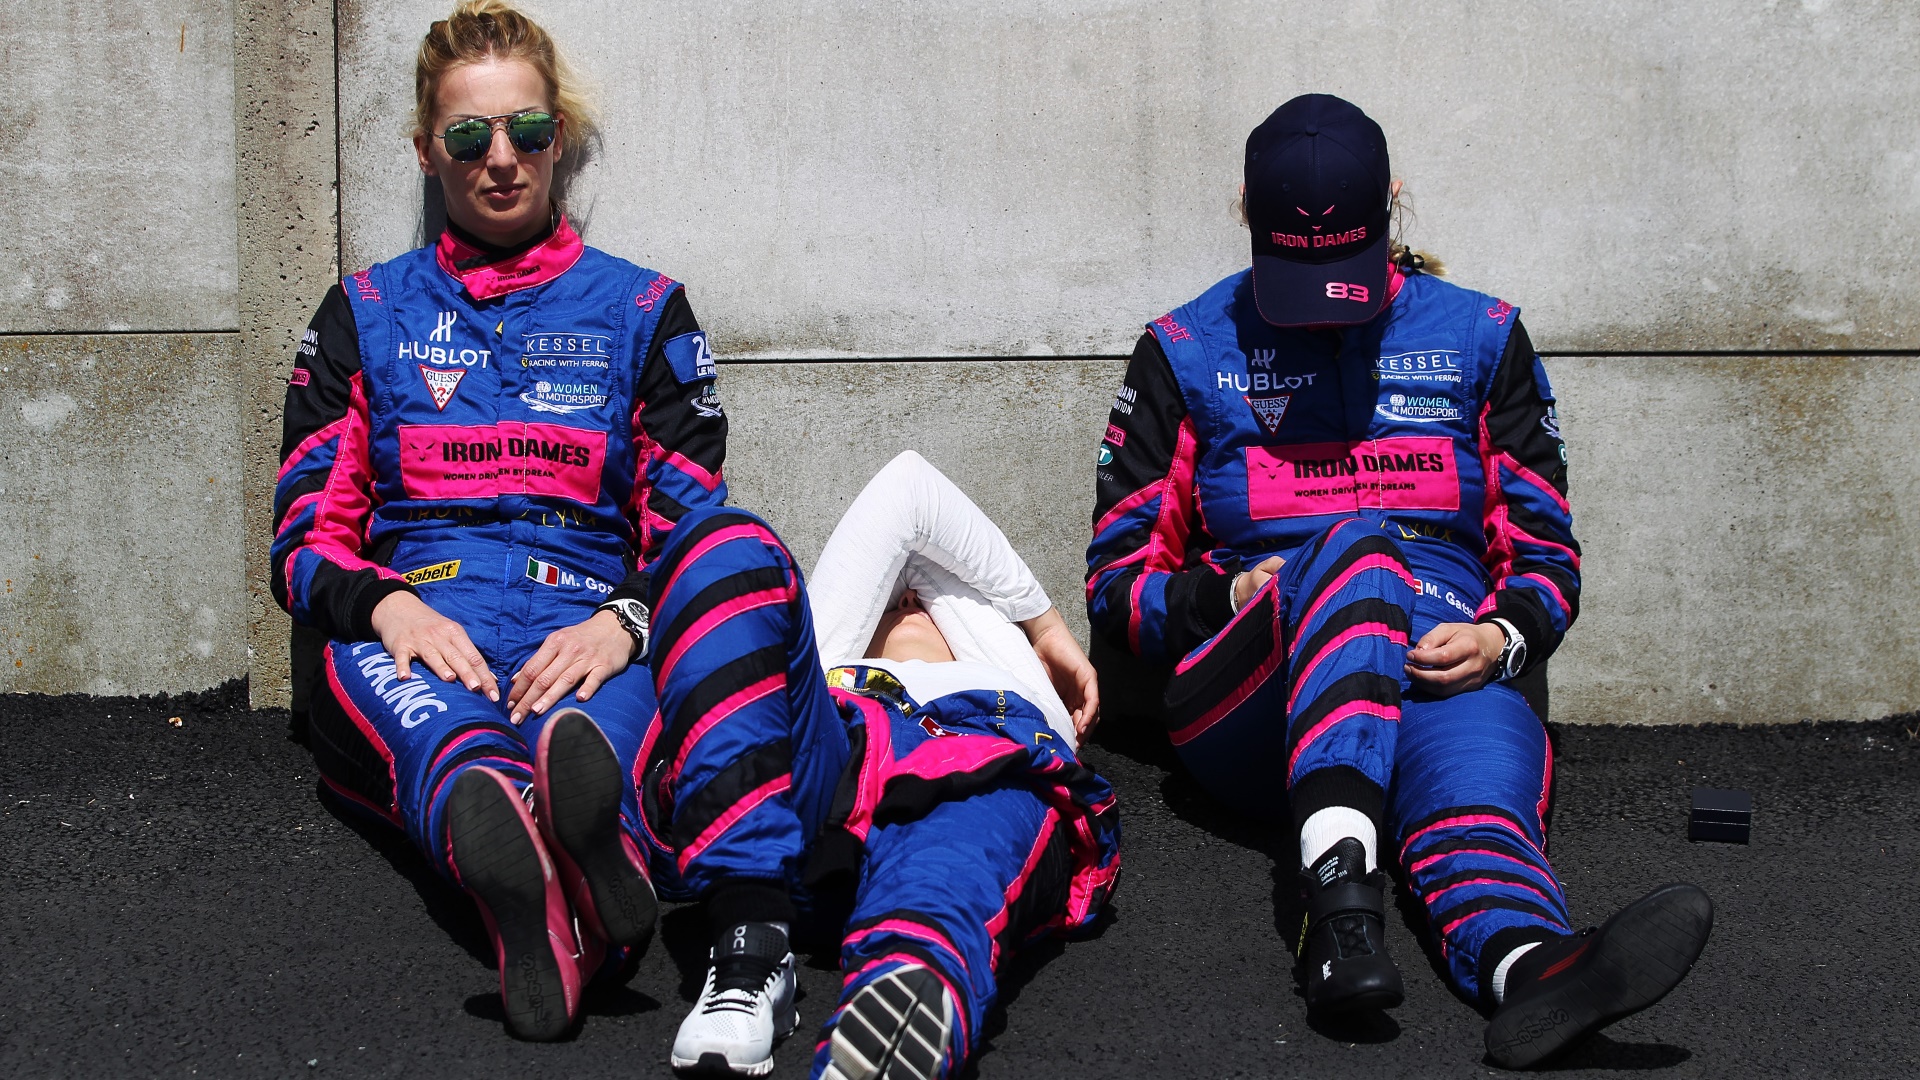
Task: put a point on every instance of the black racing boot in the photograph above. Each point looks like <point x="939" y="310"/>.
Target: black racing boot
<point x="1343" y="945"/>
<point x="1567" y="988"/>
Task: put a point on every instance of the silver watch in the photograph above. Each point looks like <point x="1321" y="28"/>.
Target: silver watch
<point x="1513" y="658"/>
<point x="635" y="619"/>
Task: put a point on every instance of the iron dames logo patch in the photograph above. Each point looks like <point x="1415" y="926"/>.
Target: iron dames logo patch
<point x="1304" y="480"/>
<point x="443" y="461"/>
<point x="441" y="384"/>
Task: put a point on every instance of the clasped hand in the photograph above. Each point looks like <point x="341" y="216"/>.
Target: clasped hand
<point x="1449" y="659"/>
<point x="1455" y="657"/>
<point x="584" y="655"/>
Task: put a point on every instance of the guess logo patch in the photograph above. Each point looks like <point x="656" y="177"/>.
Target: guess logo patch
<point x="441" y="383"/>
<point x="1270" y="410"/>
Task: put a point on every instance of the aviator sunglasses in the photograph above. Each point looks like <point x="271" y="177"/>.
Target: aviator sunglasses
<point x="530" y="132"/>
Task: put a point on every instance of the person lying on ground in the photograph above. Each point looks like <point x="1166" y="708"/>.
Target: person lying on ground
<point x="886" y="757"/>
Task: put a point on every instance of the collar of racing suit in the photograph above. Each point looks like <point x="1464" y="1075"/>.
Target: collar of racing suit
<point x="487" y="274"/>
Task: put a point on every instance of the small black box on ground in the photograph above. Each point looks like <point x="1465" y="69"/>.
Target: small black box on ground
<point x="1725" y="816"/>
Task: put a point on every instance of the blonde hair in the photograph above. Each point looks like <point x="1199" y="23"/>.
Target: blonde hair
<point x="479" y="30"/>
<point x="1399" y="253"/>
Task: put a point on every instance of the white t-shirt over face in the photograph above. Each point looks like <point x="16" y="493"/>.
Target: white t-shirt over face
<point x="910" y="527"/>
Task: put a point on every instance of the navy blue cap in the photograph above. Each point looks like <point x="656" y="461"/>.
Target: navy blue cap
<point x="1318" y="195"/>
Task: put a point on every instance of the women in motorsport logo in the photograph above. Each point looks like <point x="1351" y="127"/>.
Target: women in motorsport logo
<point x="1420" y="409"/>
<point x="563" y="397"/>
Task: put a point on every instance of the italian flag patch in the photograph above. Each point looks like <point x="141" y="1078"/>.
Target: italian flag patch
<point x="545" y="573"/>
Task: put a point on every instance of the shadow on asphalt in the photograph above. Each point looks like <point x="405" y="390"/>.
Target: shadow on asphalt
<point x="1600" y="1052"/>
<point x="452" y="910"/>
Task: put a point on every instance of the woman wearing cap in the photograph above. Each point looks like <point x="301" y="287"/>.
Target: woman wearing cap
<point x="1333" y="497"/>
<point x="484" y="439"/>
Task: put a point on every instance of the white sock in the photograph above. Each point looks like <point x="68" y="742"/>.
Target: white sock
<point x="1500" y="972"/>
<point x="1328" y="827"/>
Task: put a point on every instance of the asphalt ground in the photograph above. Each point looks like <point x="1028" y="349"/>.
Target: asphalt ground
<point x="175" y="901"/>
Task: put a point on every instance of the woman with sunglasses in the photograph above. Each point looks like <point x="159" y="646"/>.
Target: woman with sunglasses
<point x="485" y="439"/>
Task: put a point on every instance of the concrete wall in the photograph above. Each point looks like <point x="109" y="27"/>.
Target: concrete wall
<point x="1010" y="177"/>
<point x="120" y="475"/>
<point x="288" y="223"/>
<point x="1747" y="527"/>
<point x="119" y="171"/>
<point x="1017" y="436"/>
<point x="120" y="494"/>
<point x="880" y="181"/>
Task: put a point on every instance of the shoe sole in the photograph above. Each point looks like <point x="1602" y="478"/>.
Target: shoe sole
<point x="1366" y="1001"/>
<point x="896" y="1028"/>
<point x="714" y="1063"/>
<point x="1645" y="952"/>
<point x="584" y="787"/>
<point x="500" y="863"/>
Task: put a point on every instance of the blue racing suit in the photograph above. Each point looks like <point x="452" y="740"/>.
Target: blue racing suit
<point x="964" y="827"/>
<point x="1410" y="471"/>
<point x="509" y="435"/>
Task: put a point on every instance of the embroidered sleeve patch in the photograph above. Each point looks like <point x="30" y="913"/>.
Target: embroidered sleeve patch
<point x="689" y="357"/>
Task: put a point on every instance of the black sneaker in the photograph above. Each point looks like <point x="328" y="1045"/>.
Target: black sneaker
<point x="896" y="1028"/>
<point x="1570" y="987"/>
<point x="1343" y="945"/>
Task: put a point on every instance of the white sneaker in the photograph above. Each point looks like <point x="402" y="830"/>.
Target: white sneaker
<point x="744" y="1008"/>
<point x="897" y="1027"/>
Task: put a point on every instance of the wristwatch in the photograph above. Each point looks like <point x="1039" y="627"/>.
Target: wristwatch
<point x="1513" y="657"/>
<point x="635" y="620"/>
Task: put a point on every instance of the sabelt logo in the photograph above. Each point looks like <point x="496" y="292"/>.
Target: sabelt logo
<point x="657" y="289"/>
<point x="445" y="571"/>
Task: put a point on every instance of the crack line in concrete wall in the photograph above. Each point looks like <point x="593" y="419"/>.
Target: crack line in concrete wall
<point x="113" y="333"/>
